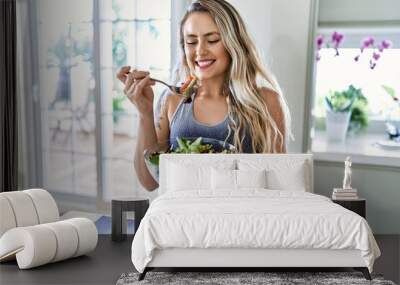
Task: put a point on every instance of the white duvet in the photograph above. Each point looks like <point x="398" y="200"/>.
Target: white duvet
<point x="252" y="218"/>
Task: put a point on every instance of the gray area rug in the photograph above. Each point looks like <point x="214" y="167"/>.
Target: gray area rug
<point x="273" y="278"/>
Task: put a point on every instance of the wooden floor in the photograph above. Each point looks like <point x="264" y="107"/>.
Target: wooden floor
<point x="111" y="259"/>
<point x="103" y="266"/>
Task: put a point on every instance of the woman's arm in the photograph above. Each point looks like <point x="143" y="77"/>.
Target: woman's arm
<point x="146" y="137"/>
<point x="275" y="109"/>
<point x="151" y="130"/>
<point x="138" y="90"/>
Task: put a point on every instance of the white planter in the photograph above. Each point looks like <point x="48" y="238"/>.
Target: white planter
<point x="337" y="124"/>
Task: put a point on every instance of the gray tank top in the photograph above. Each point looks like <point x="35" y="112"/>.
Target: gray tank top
<point x="183" y="124"/>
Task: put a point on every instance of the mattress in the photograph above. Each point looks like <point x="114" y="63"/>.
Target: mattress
<point x="250" y="219"/>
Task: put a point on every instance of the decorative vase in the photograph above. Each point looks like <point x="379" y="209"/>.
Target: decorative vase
<point x="337" y="124"/>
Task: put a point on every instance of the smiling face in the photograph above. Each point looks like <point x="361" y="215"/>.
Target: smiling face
<point x="205" y="53"/>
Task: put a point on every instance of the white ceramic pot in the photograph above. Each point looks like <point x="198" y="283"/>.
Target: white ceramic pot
<point x="337" y="124"/>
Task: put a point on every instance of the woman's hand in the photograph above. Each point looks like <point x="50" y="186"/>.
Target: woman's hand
<point x="138" y="89"/>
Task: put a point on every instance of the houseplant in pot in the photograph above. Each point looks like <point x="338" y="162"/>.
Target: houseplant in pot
<point x="341" y="106"/>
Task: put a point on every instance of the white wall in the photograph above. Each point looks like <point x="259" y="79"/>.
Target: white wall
<point x="257" y="16"/>
<point x="359" y="10"/>
<point x="281" y="31"/>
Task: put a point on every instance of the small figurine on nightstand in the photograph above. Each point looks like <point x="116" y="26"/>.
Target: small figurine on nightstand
<point x="347" y="196"/>
<point x="347" y="192"/>
<point x="347" y="174"/>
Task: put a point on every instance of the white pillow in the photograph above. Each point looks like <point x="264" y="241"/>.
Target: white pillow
<point x="188" y="174"/>
<point x="223" y="179"/>
<point x="295" y="180"/>
<point x="282" y="174"/>
<point x="251" y="178"/>
<point x="186" y="177"/>
<point x="227" y="179"/>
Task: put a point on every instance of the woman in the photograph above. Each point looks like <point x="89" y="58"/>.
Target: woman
<point x="237" y="100"/>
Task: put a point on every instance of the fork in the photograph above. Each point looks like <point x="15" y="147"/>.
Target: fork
<point x="175" y="89"/>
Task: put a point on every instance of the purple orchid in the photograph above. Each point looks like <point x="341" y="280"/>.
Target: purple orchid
<point x="337" y="38"/>
<point x="376" y="56"/>
<point x="320" y="41"/>
<point x="385" y="44"/>
<point x="367" y="42"/>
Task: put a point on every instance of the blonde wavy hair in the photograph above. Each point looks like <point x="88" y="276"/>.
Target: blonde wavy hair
<point x="246" y="74"/>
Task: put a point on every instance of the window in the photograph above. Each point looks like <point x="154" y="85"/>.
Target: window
<point x="337" y="72"/>
<point x="141" y="38"/>
<point x="67" y="96"/>
<point x="129" y="33"/>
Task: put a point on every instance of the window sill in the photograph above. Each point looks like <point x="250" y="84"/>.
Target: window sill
<point x="362" y="149"/>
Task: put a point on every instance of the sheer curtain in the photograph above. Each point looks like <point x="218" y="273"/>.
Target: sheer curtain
<point x="29" y="158"/>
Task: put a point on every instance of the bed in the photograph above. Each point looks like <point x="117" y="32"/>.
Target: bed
<point x="247" y="210"/>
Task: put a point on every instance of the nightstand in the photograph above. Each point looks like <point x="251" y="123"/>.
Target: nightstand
<point x="358" y="206"/>
<point x="118" y="214"/>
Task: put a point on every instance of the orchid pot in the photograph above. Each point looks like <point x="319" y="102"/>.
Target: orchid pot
<point x="337" y="124"/>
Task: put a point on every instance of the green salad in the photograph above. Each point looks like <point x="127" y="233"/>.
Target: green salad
<point x="186" y="146"/>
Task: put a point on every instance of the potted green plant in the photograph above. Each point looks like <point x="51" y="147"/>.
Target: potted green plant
<point x="343" y="107"/>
